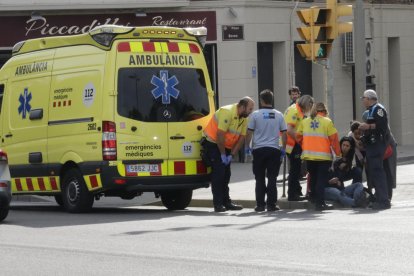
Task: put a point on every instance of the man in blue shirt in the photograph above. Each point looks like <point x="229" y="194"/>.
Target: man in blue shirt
<point x="265" y="126"/>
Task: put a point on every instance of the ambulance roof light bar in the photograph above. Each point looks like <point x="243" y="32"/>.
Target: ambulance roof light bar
<point x="105" y="34"/>
<point x="199" y="32"/>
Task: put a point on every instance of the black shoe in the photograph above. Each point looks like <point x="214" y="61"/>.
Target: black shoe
<point x="219" y="209"/>
<point x="273" y="208"/>
<point x="297" y="198"/>
<point x="380" y="206"/>
<point x="324" y="206"/>
<point x="259" y="209"/>
<point x="232" y="206"/>
<point x="362" y="200"/>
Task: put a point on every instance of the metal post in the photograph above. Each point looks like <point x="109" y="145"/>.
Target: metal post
<point x="284" y="176"/>
<point x="359" y="50"/>
<point x="329" y="89"/>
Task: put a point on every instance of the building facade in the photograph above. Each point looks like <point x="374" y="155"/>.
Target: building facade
<point x="251" y="46"/>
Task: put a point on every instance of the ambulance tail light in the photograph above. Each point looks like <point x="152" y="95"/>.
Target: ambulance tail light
<point x="3" y="156"/>
<point x="109" y="140"/>
<point x="200" y="33"/>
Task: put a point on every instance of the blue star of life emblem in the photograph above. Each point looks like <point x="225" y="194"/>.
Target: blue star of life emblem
<point x="165" y="87"/>
<point x="25" y="103"/>
<point x="314" y="125"/>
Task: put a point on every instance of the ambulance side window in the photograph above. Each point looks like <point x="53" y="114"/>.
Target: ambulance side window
<point x="1" y="95"/>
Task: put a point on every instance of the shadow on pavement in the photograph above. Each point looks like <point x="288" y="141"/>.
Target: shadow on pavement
<point x="44" y="216"/>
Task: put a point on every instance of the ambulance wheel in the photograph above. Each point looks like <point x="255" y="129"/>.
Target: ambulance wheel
<point x="75" y="195"/>
<point x="4" y="211"/>
<point x="59" y="200"/>
<point x="176" y="200"/>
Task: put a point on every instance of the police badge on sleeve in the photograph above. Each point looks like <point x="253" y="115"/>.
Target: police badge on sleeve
<point x="380" y="112"/>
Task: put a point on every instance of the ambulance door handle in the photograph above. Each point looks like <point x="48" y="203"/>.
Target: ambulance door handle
<point x="176" y="137"/>
<point x="8" y="135"/>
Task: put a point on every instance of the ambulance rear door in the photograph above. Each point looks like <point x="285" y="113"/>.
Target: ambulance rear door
<point x="142" y="138"/>
<point x="189" y="113"/>
<point x="162" y="92"/>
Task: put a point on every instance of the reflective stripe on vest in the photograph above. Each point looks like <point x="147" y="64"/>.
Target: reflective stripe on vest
<point x="231" y="135"/>
<point x="316" y="144"/>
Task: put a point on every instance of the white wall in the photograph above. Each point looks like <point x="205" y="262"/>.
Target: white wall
<point x="266" y="21"/>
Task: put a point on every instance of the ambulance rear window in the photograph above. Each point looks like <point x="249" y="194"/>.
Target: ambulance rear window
<point x="162" y="95"/>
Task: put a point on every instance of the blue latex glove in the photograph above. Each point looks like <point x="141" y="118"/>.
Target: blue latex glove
<point x="224" y="159"/>
<point x="229" y="158"/>
<point x="248" y="151"/>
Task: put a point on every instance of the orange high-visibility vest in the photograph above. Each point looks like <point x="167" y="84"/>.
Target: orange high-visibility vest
<point x="293" y="117"/>
<point x="227" y="120"/>
<point x="318" y="138"/>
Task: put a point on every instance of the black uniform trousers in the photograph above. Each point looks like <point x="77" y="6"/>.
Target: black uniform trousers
<point x="295" y="163"/>
<point x="266" y="162"/>
<point x="319" y="177"/>
<point x="220" y="175"/>
<point x="377" y="176"/>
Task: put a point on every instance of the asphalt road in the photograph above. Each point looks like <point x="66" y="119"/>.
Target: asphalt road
<point x="38" y="238"/>
<point x="43" y="240"/>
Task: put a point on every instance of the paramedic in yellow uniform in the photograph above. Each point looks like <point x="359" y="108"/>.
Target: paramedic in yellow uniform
<point x="319" y="139"/>
<point x="225" y="135"/>
<point x="293" y="117"/>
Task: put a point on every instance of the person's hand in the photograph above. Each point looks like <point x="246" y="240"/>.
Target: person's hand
<point x="224" y="159"/>
<point x="334" y="181"/>
<point x="229" y="158"/>
<point x="342" y="166"/>
<point x="248" y="151"/>
<point x="363" y="126"/>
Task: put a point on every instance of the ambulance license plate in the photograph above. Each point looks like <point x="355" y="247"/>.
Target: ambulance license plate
<point x="151" y="168"/>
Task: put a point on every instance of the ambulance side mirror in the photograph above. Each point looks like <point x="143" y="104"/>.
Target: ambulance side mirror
<point x="36" y="114"/>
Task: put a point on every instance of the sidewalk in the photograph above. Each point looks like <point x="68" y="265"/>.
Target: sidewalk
<point x="242" y="189"/>
<point x="242" y="185"/>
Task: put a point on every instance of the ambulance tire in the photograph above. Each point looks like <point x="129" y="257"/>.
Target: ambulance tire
<point x="59" y="200"/>
<point x="176" y="200"/>
<point x="4" y="211"/>
<point x="75" y="195"/>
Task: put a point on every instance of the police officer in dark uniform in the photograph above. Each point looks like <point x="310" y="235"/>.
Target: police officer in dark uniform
<point x="376" y="137"/>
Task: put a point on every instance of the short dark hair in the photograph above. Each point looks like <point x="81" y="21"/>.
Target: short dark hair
<point x="355" y="125"/>
<point x="244" y="101"/>
<point x="266" y="96"/>
<point x="294" y="89"/>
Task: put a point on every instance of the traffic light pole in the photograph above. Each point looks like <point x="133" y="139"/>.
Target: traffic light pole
<point x="359" y="48"/>
<point x="328" y="83"/>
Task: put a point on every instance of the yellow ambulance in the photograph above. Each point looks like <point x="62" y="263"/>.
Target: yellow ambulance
<point x="117" y="112"/>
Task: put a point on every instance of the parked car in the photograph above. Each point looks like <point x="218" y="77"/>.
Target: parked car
<point x="5" y="186"/>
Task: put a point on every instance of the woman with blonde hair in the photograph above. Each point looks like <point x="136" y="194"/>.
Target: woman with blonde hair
<point x="319" y="140"/>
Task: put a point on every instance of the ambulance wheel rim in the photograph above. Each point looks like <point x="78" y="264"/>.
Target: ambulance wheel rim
<point x="75" y="194"/>
<point x="73" y="191"/>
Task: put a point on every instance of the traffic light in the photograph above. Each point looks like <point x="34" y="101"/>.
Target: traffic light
<point x="315" y="33"/>
<point x="334" y="11"/>
<point x="322" y="28"/>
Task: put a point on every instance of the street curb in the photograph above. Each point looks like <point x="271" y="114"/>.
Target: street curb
<point x="283" y="203"/>
<point x="405" y="159"/>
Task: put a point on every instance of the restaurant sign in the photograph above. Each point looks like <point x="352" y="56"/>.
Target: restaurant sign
<point x="24" y="27"/>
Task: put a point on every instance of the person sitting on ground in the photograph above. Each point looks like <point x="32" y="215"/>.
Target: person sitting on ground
<point x="342" y="170"/>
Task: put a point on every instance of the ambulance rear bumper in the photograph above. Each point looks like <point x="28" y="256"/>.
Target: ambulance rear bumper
<point x="111" y="179"/>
